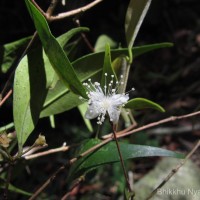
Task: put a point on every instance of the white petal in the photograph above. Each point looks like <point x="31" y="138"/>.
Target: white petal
<point x="114" y="113"/>
<point x="119" y="99"/>
<point x="91" y="112"/>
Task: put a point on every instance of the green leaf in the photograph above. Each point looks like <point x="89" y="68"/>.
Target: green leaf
<point x="18" y="190"/>
<point x="55" y="53"/>
<point x="102" y="41"/>
<point x="10" y="53"/>
<point x="64" y="38"/>
<point x="135" y="15"/>
<point x="141" y="103"/>
<point x="107" y="67"/>
<point x="29" y="94"/>
<point x="109" y="154"/>
<point x="59" y="99"/>
<point x="83" y="108"/>
<point x="12" y="188"/>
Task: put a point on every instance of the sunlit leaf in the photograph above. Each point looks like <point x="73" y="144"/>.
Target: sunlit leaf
<point x="29" y="94"/>
<point x="136" y="12"/>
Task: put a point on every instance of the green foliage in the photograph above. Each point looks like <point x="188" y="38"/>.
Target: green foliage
<point x="108" y="154"/>
<point x="29" y="94"/>
<point x="55" y="53"/>
<point x="10" y="52"/>
<point x="136" y="12"/>
<point x="59" y="99"/>
<point x="141" y="103"/>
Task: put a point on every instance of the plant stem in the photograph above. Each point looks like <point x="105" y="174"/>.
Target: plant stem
<point x="121" y="158"/>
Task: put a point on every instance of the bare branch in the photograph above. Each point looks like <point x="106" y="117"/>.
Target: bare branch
<point x="74" y="12"/>
<point x="5" y="98"/>
<point x="44" y="153"/>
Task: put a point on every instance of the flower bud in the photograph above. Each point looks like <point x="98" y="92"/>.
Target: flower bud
<point x="40" y="141"/>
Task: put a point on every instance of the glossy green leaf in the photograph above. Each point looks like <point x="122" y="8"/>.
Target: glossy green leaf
<point x="83" y="108"/>
<point x="109" y="154"/>
<point x="136" y="12"/>
<point x="141" y="103"/>
<point x="9" y="53"/>
<point x="29" y="94"/>
<point x="55" y="53"/>
<point x="59" y="99"/>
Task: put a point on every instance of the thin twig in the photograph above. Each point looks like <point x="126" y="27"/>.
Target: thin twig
<point x="120" y="132"/>
<point x="173" y="171"/>
<point x="47" y="182"/>
<point x="169" y="119"/>
<point x="5" y="98"/>
<point x="85" y="39"/>
<point x="44" y="153"/>
<point x="77" y="183"/>
<point x="74" y="12"/>
<point x="51" y="7"/>
<point x="121" y="158"/>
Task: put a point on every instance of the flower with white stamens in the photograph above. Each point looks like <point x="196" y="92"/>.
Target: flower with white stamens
<point x="106" y="100"/>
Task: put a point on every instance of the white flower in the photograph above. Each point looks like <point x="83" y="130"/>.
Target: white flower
<point x="106" y="100"/>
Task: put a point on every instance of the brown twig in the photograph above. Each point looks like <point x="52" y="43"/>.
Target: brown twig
<point x="74" y="12"/>
<point x="49" y="180"/>
<point x="44" y="153"/>
<point x="85" y="39"/>
<point x="169" y="119"/>
<point x="5" y="98"/>
<point x="77" y="183"/>
<point x="121" y="158"/>
<point x="173" y="171"/>
<point x="119" y="132"/>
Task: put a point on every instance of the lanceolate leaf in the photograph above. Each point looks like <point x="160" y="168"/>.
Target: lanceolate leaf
<point x="107" y="67"/>
<point x="109" y="154"/>
<point x="55" y="53"/>
<point x="59" y="99"/>
<point x="29" y="94"/>
<point x="141" y="103"/>
<point x="136" y="12"/>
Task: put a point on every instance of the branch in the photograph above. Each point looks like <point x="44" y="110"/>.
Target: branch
<point x="44" y="153"/>
<point x="73" y="12"/>
<point x="173" y="171"/>
<point x="5" y="98"/>
<point x="169" y="119"/>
